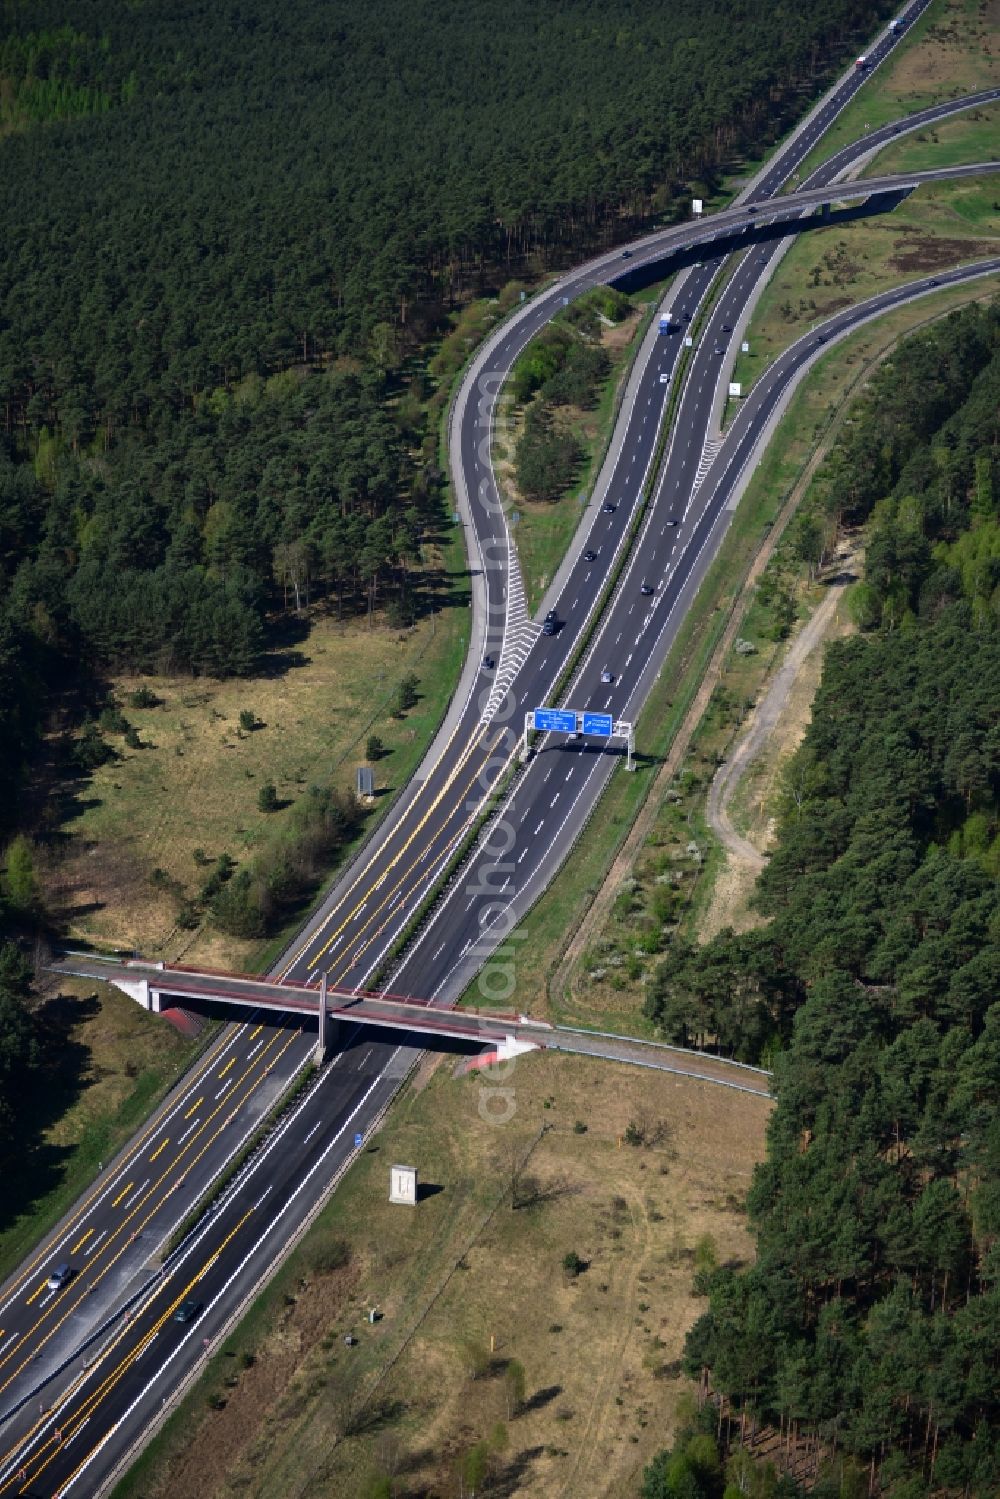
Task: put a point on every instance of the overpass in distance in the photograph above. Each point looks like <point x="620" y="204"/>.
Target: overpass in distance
<point x="160" y="986"/>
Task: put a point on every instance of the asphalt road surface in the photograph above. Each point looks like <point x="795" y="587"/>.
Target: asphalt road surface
<point x="99" y="1412"/>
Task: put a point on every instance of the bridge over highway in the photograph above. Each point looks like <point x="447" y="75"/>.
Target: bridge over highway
<point x="161" y="986"/>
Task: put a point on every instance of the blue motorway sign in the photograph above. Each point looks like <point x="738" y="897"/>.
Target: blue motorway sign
<point x="556" y="720"/>
<point x="598" y="723"/>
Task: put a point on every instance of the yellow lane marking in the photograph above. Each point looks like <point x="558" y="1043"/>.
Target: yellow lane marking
<point x="119" y="1234"/>
<point x="140" y="1140"/>
<point x="160" y="1148"/>
<point x="364" y="872"/>
<point x="195" y="1107"/>
<point x="35" y="1294"/>
<point x="123" y="1194"/>
<point x="81" y="1241"/>
<point x="229" y="1064"/>
<point x="71" y="1424"/>
<point x="392" y="898"/>
<point x="256" y="1033"/>
<point x="453" y="775"/>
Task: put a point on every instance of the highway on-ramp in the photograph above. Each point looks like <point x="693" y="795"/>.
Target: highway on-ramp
<point x="72" y="1447"/>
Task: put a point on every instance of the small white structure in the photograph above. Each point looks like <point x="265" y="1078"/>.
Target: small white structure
<point x="403" y="1185"/>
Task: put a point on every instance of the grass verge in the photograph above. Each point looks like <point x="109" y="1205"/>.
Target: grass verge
<point x="430" y="1378"/>
<point x="548" y="928"/>
<point x="941" y="225"/>
<point x="543" y="531"/>
<point x="946" y="54"/>
<point x="110" y="1066"/>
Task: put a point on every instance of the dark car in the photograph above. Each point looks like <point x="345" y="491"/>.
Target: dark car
<point x="188" y="1310"/>
<point x="590" y="555"/>
<point x="551" y="623"/>
<point x="671" y="522"/>
<point x="489" y="663"/>
<point x="647" y="589"/>
<point x="719" y="349"/>
<point x="626" y="255"/>
<point x="726" y="328"/>
<point x="751" y="208"/>
<point x="608" y="508"/>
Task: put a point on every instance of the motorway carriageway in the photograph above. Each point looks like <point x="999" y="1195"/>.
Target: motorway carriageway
<point x="357" y="1084"/>
<point x="74" y="1446"/>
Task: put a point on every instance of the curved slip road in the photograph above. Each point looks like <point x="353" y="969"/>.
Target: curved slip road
<point x="244" y="1235"/>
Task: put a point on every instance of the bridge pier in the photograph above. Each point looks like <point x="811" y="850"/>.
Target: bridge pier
<point x="328" y="1026"/>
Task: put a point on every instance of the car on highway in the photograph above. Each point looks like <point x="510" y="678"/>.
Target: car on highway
<point x="727" y="328"/>
<point x="60" y="1276"/>
<point x="608" y="508"/>
<point x="607" y="677"/>
<point x="751" y="208"/>
<point x="590" y="555"/>
<point x="574" y="737"/>
<point x="626" y="255"/>
<point x="489" y="663"/>
<point x="551" y="623"/>
<point x="188" y="1310"/>
<point x="719" y="349"/>
<point x="646" y="589"/>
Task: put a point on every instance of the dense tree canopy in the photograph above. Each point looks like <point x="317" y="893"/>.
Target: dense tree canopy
<point x="228" y="232"/>
<point x="872" y="1314"/>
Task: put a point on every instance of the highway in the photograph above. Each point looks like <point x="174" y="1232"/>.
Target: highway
<point x="104" y="1409"/>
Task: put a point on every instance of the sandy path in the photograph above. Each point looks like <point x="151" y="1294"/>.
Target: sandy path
<point x="762" y="724"/>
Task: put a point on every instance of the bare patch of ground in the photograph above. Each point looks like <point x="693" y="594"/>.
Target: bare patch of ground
<point x="924" y="253"/>
<point x="773" y="732"/>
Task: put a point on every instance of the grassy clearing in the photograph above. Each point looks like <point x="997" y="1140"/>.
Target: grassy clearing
<point x="191" y="792"/>
<point x="109" y="1065"/>
<point x="942" y="225"/>
<point x="600" y="1350"/>
<point x="949" y="52"/>
<point x="543" y="531"/>
<point x="549" y="927"/>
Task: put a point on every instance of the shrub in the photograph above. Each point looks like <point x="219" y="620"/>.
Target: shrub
<point x="91" y="750"/>
<point x="113" y="720"/>
<point x="573" y="1264"/>
<point x="143" y="698"/>
<point x="406" y="694"/>
<point x="267" y="797"/>
<point x="248" y="720"/>
<point x="238" y="908"/>
<point x="374" y="749"/>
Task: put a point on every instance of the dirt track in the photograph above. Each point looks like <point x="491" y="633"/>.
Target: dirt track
<point x="762" y="724"/>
